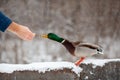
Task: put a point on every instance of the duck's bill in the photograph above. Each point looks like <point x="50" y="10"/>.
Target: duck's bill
<point x="44" y="36"/>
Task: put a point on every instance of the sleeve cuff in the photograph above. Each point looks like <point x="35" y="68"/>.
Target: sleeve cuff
<point x="4" y="22"/>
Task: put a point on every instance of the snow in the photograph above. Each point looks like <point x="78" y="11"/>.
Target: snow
<point x="99" y="62"/>
<point x="86" y="77"/>
<point x="40" y="67"/>
<point x="91" y="72"/>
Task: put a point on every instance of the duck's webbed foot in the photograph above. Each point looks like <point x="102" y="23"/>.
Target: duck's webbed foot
<point x="78" y="62"/>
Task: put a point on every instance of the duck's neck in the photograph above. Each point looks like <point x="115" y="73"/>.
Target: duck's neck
<point x="55" y="38"/>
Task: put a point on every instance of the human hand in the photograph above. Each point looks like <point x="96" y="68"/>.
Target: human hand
<point x="21" y="31"/>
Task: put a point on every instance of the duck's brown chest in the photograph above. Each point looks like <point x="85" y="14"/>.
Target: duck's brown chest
<point x="69" y="46"/>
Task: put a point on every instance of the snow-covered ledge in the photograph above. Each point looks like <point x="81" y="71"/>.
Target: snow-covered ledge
<point x="104" y="69"/>
<point x="90" y="69"/>
<point x="40" y="71"/>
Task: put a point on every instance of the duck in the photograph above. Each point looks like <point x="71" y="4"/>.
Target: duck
<point x="78" y="49"/>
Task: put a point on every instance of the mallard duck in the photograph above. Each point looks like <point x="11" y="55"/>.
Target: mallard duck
<point x="78" y="49"/>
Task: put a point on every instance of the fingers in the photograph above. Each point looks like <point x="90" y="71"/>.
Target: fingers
<point x="29" y="36"/>
<point x="26" y="34"/>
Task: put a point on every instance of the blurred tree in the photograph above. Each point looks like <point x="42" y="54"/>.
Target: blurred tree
<point x="95" y="21"/>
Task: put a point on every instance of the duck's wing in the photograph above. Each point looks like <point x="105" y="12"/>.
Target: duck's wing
<point x="89" y="45"/>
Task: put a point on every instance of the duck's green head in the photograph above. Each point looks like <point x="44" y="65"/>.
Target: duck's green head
<point x="53" y="36"/>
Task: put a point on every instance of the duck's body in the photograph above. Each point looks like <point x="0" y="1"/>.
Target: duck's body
<point x="78" y="49"/>
<point x="84" y="51"/>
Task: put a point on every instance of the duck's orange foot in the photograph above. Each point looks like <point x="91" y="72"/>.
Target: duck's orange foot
<point x="77" y="63"/>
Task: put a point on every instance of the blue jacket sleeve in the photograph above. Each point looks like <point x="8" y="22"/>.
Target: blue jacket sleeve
<point x="4" y="22"/>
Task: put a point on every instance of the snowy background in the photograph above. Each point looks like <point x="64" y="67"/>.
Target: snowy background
<point x="94" y="21"/>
